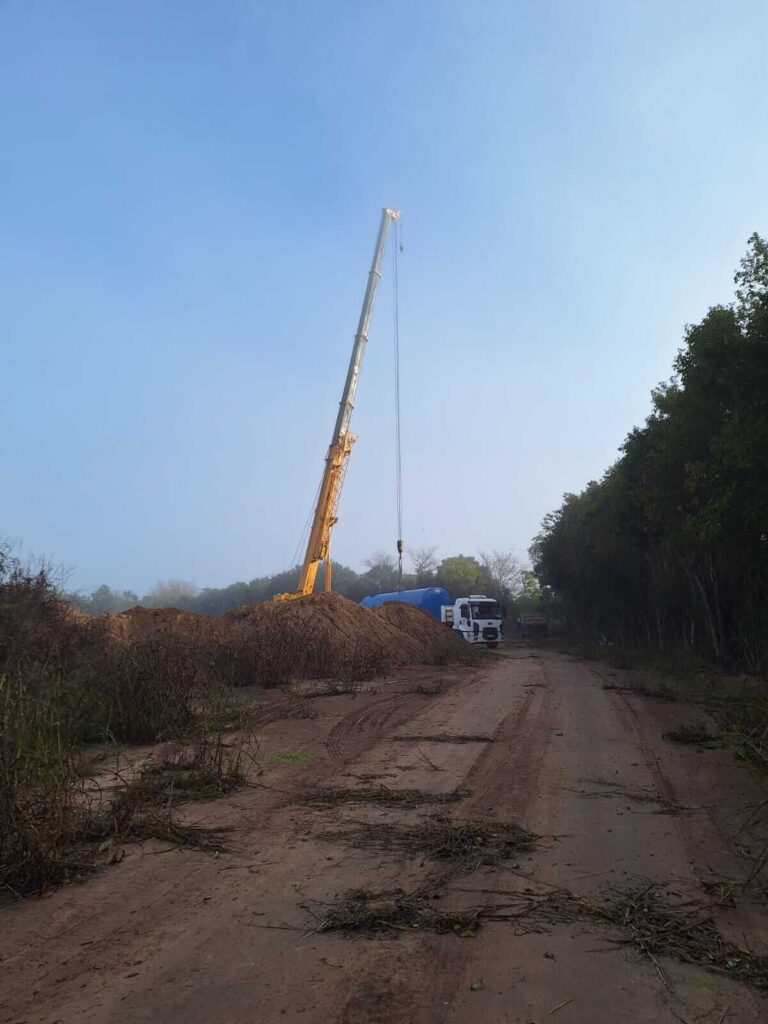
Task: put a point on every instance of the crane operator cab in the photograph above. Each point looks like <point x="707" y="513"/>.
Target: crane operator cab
<point x="477" y="618"/>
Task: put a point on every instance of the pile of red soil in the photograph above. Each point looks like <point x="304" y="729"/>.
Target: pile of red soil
<point x="316" y="634"/>
<point x="332" y="623"/>
<point x="428" y="632"/>
<point x="140" y="622"/>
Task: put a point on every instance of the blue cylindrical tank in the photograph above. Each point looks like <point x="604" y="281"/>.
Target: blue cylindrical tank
<point x="429" y="599"/>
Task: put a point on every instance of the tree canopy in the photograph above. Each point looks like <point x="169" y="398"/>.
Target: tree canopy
<point x="670" y="547"/>
<point x="498" y="576"/>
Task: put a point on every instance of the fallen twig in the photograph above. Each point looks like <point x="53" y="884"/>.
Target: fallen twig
<point x="559" y="1006"/>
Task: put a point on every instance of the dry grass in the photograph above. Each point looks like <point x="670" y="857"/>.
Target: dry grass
<point x="40" y="793"/>
<point x="746" y="722"/>
<point x="335" y="688"/>
<point x="661" y="693"/>
<point x="65" y="682"/>
<point x="45" y="793"/>
<point x="333" y="797"/>
<point x="65" y="834"/>
<point x="393" y="910"/>
<point x="694" y="735"/>
<point x="738" y="703"/>
<point x="129" y="819"/>
<point x="612" y="790"/>
<point x="660" y="923"/>
<point x="206" y="769"/>
<point x="655" y="922"/>
<point x="427" y="690"/>
<point x="463" y="845"/>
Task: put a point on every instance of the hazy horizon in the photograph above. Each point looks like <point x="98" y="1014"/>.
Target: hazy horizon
<point x="191" y="196"/>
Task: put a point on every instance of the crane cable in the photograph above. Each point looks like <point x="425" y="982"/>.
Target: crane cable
<point x="397" y="247"/>
<point x="302" y="543"/>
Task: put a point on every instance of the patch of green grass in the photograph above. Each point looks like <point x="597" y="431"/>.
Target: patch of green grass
<point x="288" y="757"/>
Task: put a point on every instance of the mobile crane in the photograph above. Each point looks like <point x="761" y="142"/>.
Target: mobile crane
<point x="325" y="517"/>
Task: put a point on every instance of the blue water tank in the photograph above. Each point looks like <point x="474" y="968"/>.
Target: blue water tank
<point x="429" y="599"/>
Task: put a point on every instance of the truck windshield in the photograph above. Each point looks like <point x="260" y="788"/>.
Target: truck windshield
<point x="486" y="610"/>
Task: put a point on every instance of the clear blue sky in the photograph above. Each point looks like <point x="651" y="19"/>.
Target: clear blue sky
<point x="189" y="194"/>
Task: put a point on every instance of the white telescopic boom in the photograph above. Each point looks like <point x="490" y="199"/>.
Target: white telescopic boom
<point x="355" y="362"/>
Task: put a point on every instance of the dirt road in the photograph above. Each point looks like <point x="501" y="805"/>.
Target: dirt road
<point x="550" y="743"/>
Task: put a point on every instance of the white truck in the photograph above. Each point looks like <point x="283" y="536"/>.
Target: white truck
<point x="477" y="618"/>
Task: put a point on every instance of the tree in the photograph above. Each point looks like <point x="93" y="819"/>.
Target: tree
<point x="504" y="573"/>
<point x="172" y="594"/>
<point x="670" y="547"/>
<point x="381" y="576"/>
<point x="462" y="575"/>
<point x="345" y="581"/>
<point x="530" y="598"/>
<point x="424" y="561"/>
<point x="218" y="601"/>
<point x="752" y="280"/>
<point x="104" y="600"/>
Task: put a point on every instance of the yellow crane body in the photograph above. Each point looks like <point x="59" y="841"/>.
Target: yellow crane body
<point x="326" y="510"/>
<point x="319" y="544"/>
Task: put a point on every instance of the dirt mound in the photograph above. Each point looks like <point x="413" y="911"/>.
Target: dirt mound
<point x="338" y="626"/>
<point x="272" y="642"/>
<point x="140" y="622"/>
<point x="70" y="614"/>
<point x="419" y="624"/>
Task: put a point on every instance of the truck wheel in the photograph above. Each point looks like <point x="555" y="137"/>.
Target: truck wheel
<point x="493" y="646"/>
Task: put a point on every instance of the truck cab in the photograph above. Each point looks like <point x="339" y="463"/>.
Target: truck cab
<point x="477" y="618"/>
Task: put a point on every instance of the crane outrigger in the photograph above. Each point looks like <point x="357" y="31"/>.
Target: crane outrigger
<point x="325" y="517"/>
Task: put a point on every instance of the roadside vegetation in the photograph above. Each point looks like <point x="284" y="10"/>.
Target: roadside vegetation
<point x="64" y="684"/>
<point x="736" y="704"/>
<point x="69" y="682"/>
<point x="668" y="553"/>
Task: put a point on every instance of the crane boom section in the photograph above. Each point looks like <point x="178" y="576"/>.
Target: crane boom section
<point x="361" y="337"/>
<point x="325" y="516"/>
<point x="319" y="542"/>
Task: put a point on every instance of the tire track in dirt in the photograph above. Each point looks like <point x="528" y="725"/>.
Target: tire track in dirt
<point x="360" y="729"/>
<point x="376" y="982"/>
<point x="690" y="829"/>
<point x="661" y="783"/>
<point x="276" y="710"/>
<point x="503" y="782"/>
<point x="504" y="777"/>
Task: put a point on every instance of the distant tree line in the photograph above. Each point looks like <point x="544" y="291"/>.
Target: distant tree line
<point x="495" y="573"/>
<point x="670" y="548"/>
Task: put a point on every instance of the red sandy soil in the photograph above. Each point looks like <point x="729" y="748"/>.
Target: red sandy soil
<point x="140" y="622"/>
<point x="338" y="625"/>
<point x="397" y="633"/>
<point x="419" y="625"/>
<point x="180" y="937"/>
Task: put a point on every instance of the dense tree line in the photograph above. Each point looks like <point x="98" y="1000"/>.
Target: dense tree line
<point x="496" y="573"/>
<point x="670" y="548"/>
